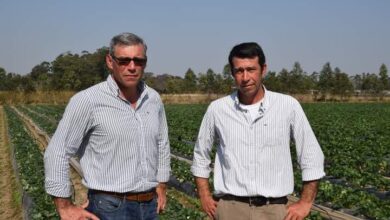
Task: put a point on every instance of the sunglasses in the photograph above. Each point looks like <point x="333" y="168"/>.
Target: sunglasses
<point x="124" y="61"/>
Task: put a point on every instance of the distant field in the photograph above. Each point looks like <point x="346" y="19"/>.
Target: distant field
<point x="62" y="97"/>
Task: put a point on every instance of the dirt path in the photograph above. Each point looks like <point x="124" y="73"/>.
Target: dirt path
<point x="42" y="139"/>
<point x="10" y="198"/>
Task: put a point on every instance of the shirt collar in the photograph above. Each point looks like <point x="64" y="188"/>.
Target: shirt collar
<point x="113" y="86"/>
<point x="263" y="105"/>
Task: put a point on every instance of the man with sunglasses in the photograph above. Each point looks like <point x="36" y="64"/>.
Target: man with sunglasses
<point x="119" y="131"/>
<point x="253" y="172"/>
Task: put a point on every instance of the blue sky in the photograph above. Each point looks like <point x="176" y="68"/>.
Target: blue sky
<point x="350" y="34"/>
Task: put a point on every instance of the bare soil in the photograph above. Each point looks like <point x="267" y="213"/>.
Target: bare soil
<point x="10" y="198"/>
<point x="182" y="198"/>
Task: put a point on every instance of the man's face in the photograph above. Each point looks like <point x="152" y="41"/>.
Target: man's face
<point x="248" y="75"/>
<point x="127" y="65"/>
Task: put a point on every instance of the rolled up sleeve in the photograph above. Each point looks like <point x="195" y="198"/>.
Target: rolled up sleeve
<point x="201" y="161"/>
<point x="164" y="168"/>
<point x="309" y="154"/>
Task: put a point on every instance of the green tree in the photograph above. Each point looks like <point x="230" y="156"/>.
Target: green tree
<point x="384" y="77"/>
<point x="92" y="68"/>
<point x="190" y="81"/>
<point x="26" y="84"/>
<point x="15" y="82"/>
<point x="357" y="82"/>
<point x="207" y="81"/>
<point x="218" y="84"/>
<point x="342" y="85"/>
<point x="309" y="82"/>
<point x="228" y="81"/>
<point x="77" y="72"/>
<point x="284" y="80"/>
<point x="3" y="77"/>
<point x="314" y="78"/>
<point x="174" y="85"/>
<point x="296" y="79"/>
<point x="66" y="72"/>
<point x="326" y="79"/>
<point x="371" y="83"/>
<point x="41" y="75"/>
<point x="149" y="79"/>
<point x="272" y="82"/>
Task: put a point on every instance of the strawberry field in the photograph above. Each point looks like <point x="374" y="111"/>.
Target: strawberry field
<point x="355" y="139"/>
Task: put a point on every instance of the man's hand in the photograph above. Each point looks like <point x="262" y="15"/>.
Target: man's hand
<point x="298" y="210"/>
<point x="209" y="205"/>
<point x="161" y="191"/>
<point x="301" y="209"/>
<point x="68" y="211"/>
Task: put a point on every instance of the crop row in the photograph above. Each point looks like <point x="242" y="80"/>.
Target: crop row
<point x="55" y="111"/>
<point x="45" y="121"/>
<point x="29" y="161"/>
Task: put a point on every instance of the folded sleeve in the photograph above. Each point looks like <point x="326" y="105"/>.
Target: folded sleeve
<point x="309" y="154"/>
<point x="201" y="160"/>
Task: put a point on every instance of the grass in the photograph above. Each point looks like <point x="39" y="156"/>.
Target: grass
<point x="54" y="97"/>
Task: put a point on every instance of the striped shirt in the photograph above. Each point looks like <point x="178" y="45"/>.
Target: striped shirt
<point x="253" y="155"/>
<point x="121" y="149"/>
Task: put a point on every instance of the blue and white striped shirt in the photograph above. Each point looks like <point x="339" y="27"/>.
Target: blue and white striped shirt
<point x="253" y="155"/>
<point x="121" y="149"/>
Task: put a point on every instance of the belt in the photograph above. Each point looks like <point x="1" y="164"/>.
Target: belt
<point x="256" y="200"/>
<point x="139" y="197"/>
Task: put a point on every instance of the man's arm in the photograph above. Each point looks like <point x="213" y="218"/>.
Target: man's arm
<point x="209" y="205"/>
<point x="309" y="153"/>
<point x="201" y="163"/>
<point x="164" y="155"/>
<point x="64" y="144"/>
<point x="311" y="161"/>
<point x="163" y="148"/>
<point x="301" y="209"/>
<point x="68" y="211"/>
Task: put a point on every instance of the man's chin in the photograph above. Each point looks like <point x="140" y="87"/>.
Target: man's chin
<point x="247" y="91"/>
<point x="132" y="84"/>
<point x="129" y="83"/>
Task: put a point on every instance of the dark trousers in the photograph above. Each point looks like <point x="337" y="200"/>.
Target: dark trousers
<point x="108" y="207"/>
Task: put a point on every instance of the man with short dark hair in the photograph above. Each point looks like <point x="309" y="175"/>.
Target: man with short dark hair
<point x="119" y="131"/>
<point x="253" y="171"/>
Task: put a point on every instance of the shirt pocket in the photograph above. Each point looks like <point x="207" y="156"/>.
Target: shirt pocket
<point x="274" y="134"/>
<point x="151" y="122"/>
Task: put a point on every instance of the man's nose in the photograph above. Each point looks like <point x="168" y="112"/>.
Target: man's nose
<point x="245" y="75"/>
<point x="131" y="65"/>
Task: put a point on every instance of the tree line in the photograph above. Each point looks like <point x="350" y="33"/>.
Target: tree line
<point x="75" y="72"/>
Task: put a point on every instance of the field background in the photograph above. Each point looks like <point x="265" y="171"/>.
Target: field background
<point x="354" y="138"/>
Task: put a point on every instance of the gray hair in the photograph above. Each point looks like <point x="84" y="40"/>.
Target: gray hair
<point x="126" y="39"/>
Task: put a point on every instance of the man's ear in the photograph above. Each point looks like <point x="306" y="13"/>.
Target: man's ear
<point x="263" y="70"/>
<point x="109" y="61"/>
